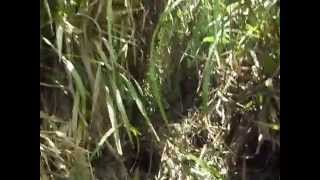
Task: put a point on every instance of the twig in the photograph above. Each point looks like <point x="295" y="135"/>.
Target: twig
<point x="49" y="85"/>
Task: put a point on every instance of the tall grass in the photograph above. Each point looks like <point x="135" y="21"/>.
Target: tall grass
<point x="203" y="60"/>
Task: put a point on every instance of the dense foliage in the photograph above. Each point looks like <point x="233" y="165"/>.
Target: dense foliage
<point x="138" y="89"/>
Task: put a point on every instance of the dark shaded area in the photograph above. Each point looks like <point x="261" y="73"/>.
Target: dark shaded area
<point x="198" y="140"/>
<point x="146" y="159"/>
<point x="255" y="165"/>
<point x="145" y="22"/>
<point x="54" y="100"/>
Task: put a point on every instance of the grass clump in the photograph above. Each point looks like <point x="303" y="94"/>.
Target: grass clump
<point x="159" y="90"/>
<point x="194" y="149"/>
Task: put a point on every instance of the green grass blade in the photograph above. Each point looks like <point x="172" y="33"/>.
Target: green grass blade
<point x="78" y="81"/>
<point x="113" y="119"/>
<point x="157" y="94"/>
<point x="110" y="19"/>
<point x="103" y="139"/>
<point x="204" y="165"/>
<point x="96" y="91"/>
<point x="74" y="73"/>
<point x="59" y="40"/>
<point x="102" y="55"/>
<point x="140" y="105"/>
<point x="49" y="13"/>
<point x="123" y="113"/>
<point x="75" y="116"/>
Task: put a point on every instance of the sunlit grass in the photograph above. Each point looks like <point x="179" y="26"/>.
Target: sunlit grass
<point x="202" y="63"/>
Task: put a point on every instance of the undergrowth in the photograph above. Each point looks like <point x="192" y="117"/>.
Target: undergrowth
<point x="176" y="89"/>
